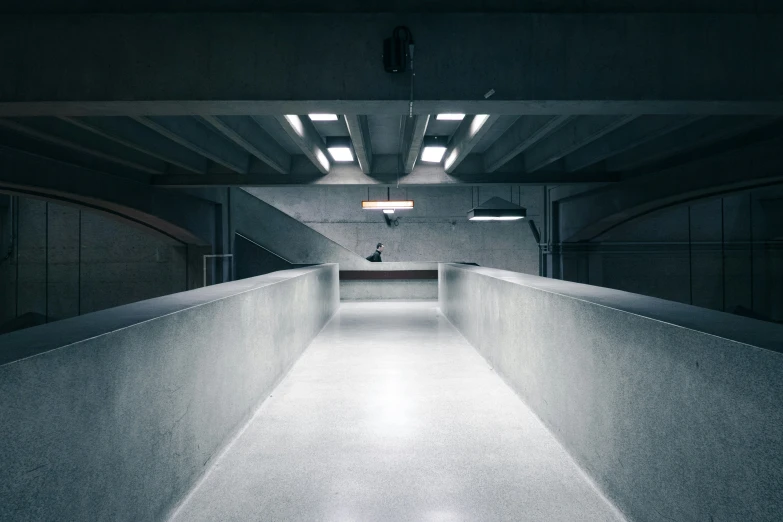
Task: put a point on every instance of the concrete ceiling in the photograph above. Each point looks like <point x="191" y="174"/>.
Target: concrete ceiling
<point x="375" y="6"/>
<point x="251" y="150"/>
<point x="216" y="99"/>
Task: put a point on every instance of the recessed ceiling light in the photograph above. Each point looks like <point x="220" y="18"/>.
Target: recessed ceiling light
<point x="450" y="117"/>
<point x="341" y="153"/>
<point x="323" y="117"/>
<point x="388" y="211"/>
<point x="433" y="153"/>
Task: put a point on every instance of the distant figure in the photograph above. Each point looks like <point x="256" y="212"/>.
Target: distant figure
<point x="376" y="257"/>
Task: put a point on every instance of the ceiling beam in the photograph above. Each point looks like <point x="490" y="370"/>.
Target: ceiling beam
<point x="304" y="134"/>
<point x="415" y="127"/>
<point x="131" y="134"/>
<point x="266" y="180"/>
<point x="635" y="133"/>
<point x="467" y="136"/>
<point x="699" y="133"/>
<point x="248" y="134"/>
<point x="62" y="134"/>
<point x="522" y="135"/>
<point x="195" y="136"/>
<point x="575" y="134"/>
<point x="360" y="136"/>
<point x="616" y="57"/>
<point x="385" y="173"/>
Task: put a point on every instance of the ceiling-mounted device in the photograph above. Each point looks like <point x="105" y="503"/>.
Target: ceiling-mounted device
<point x="340" y="148"/>
<point x="433" y="148"/>
<point x="497" y="209"/>
<point x="397" y="50"/>
<point x="387" y="205"/>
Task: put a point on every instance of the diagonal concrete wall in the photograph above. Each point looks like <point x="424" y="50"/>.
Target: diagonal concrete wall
<point x="292" y="240"/>
<point x="114" y="415"/>
<point x="675" y="411"/>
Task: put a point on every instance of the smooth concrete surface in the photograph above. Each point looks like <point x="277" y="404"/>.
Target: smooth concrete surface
<point x="618" y="63"/>
<point x="435" y="229"/>
<point x="114" y="415"/>
<point x="405" y="289"/>
<point x="286" y="237"/>
<point x="390" y="415"/>
<point x="675" y="411"/>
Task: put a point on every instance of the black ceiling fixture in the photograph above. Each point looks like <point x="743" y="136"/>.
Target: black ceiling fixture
<point x="397" y="50"/>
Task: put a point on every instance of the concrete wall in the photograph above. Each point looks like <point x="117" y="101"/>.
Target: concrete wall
<point x="114" y="415"/>
<point x="724" y="254"/>
<point x="676" y="412"/>
<point x="436" y="229"/>
<point x="284" y="236"/>
<point x="68" y="262"/>
<point x="405" y="289"/>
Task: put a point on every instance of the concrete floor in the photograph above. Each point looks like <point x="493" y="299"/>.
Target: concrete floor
<point x="392" y="415"/>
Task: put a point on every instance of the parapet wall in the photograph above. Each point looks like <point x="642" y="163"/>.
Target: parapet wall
<point x="676" y="412"/>
<point x="114" y="415"/>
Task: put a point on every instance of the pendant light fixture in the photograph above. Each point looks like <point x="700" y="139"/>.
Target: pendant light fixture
<point x="497" y="209"/>
<point x="388" y="206"/>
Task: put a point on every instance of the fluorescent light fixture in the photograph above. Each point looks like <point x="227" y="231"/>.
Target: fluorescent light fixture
<point x="295" y="123"/>
<point x="497" y="209"/>
<point x="323" y="117"/>
<point x="387" y="205"/>
<point x="341" y="153"/>
<point x="340" y="148"/>
<point x="433" y="148"/>
<point x="450" y="117"/>
<point x="497" y="218"/>
<point x="388" y="211"/>
<point x="433" y="153"/>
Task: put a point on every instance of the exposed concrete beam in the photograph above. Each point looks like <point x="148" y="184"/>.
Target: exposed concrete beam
<point x="62" y="134"/>
<point x="388" y="108"/>
<point x="468" y="134"/>
<point x="138" y="137"/>
<point x="304" y="134"/>
<point x="248" y="134"/>
<point x="575" y="134"/>
<point x="412" y="139"/>
<point x="197" y="137"/>
<point x="585" y="216"/>
<point x="701" y="132"/>
<point x="215" y="60"/>
<point x="385" y="173"/>
<point x="174" y="215"/>
<point x="635" y="133"/>
<point x="522" y="135"/>
<point x="360" y="136"/>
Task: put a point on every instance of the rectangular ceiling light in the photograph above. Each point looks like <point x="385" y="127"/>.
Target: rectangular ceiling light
<point x="341" y="153"/>
<point x="323" y="117"/>
<point x="497" y="209"/>
<point x="450" y="117"/>
<point x="496" y="218"/>
<point x="387" y="205"/>
<point x="433" y="153"/>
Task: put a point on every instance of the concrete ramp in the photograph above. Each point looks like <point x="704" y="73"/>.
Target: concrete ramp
<point x="391" y="415"/>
